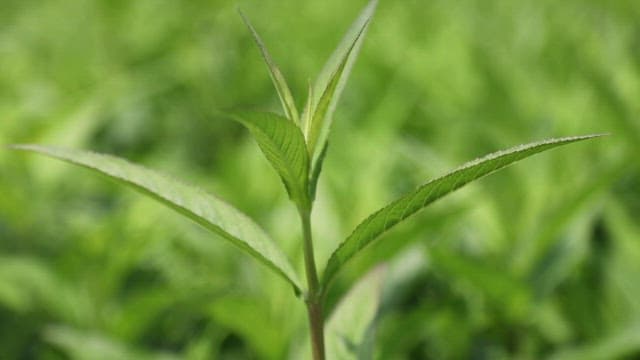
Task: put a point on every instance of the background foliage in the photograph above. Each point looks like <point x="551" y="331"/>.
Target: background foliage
<point x="541" y="260"/>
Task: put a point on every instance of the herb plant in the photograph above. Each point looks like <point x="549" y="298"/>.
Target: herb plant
<point x="296" y="144"/>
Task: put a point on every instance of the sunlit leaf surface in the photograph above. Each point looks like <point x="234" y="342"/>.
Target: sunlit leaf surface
<point x="196" y="204"/>
<point x="387" y="217"/>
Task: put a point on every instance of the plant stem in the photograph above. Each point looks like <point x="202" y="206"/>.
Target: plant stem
<point x="313" y="298"/>
<point x="314" y="309"/>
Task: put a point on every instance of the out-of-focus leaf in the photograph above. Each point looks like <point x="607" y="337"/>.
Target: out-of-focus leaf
<point x="279" y="82"/>
<point x="385" y="218"/>
<point x="196" y="204"/>
<point x="507" y="293"/>
<point x="350" y="329"/>
<point x="283" y="145"/>
<point x="23" y="281"/>
<point x="27" y="284"/>
<point x="79" y="344"/>
<point x="623" y="343"/>
<point x="543" y="249"/>
<point x="252" y="319"/>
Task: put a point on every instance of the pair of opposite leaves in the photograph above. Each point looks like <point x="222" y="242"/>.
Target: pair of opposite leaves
<point x="295" y="145"/>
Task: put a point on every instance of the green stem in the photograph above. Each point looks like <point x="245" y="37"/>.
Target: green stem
<point x="313" y="298"/>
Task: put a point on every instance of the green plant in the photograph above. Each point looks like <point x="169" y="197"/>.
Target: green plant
<point x="296" y="145"/>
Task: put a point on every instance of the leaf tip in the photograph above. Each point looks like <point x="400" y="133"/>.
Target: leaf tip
<point x="249" y="26"/>
<point x="242" y="15"/>
<point x="587" y="137"/>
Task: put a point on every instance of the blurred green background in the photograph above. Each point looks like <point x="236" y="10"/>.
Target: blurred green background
<point x="539" y="261"/>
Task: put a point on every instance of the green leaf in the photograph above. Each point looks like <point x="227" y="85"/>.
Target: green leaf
<point x="283" y="144"/>
<point x="400" y="209"/>
<point x="506" y="292"/>
<point x="252" y="319"/>
<point x="307" y="112"/>
<point x="90" y="344"/>
<point x="25" y="283"/>
<point x="350" y="331"/>
<point x="315" y="172"/>
<point x="279" y="82"/>
<point x="332" y="80"/>
<point x="621" y="344"/>
<point x="196" y="204"/>
<point x="321" y="120"/>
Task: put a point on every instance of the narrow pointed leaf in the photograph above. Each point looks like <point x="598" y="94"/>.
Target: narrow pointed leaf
<point x="283" y="144"/>
<point x="332" y="79"/>
<point x="350" y="330"/>
<point x="307" y="112"/>
<point x="318" y="129"/>
<point x="279" y="82"/>
<point x="400" y="209"/>
<point x="192" y="202"/>
<point x="345" y="45"/>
